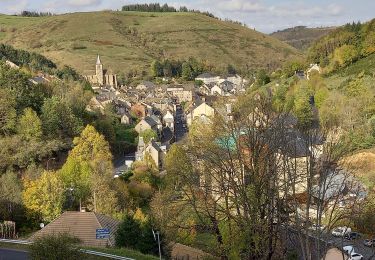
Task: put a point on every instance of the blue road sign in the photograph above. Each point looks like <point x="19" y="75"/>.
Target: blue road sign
<point x="102" y="233"/>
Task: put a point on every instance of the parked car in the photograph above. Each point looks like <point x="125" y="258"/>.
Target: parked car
<point x="352" y="235"/>
<point x="348" y="249"/>
<point x="316" y="227"/>
<point x="355" y="256"/>
<point x="369" y="242"/>
<point x="341" y="231"/>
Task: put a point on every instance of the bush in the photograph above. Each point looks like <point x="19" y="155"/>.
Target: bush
<point x="136" y="235"/>
<point x="56" y="247"/>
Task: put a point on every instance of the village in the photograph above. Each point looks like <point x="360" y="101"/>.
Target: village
<point x="167" y="110"/>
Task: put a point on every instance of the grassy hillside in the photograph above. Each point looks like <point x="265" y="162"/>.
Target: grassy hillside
<point x="131" y="40"/>
<point x="301" y="37"/>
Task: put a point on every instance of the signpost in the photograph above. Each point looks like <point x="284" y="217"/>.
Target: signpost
<point x="102" y="233"/>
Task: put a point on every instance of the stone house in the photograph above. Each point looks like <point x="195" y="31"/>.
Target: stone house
<point x="200" y="110"/>
<point x="148" y="123"/>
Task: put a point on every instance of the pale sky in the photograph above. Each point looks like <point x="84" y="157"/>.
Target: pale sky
<point x="265" y="15"/>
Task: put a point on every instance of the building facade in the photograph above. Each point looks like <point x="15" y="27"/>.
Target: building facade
<point x="102" y="77"/>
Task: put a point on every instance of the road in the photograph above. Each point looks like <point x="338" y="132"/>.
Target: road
<point x="180" y="130"/>
<point x="13" y="254"/>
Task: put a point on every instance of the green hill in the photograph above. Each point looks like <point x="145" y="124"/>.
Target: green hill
<point x="129" y="41"/>
<point x="301" y="37"/>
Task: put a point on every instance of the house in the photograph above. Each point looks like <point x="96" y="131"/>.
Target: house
<point x="216" y="91"/>
<point x="313" y="68"/>
<point x="126" y="119"/>
<point x="84" y="226"/>
<point x="227" y="86"/>
<point x="11" y="64"/>
<point x="148" y="123"/>
<point x="145" y="85"/>
<point x="39" y="80"/>
<point x="181" y="94"/>
<point x="168" y="120"/>
<point x="208" y="78"/>
<point x="157" y="153"/>
<point x="200" y="110"/>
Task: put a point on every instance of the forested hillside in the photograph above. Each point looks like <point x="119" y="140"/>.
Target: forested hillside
<point x="344" y="46"/>
<point x="301" y="37"/>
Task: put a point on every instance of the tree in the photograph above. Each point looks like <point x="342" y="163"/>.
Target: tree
<point x="148" y="135"/>
<point x="8" y="112"/>
<point x="44" y="196"/>
<point x="89" y="170"/>
<point x="262" y="78"/>
<point x="29" y="125"/>
<point x="344" y="55"/>
<point x="10" y="195"/>
<point x="136" y="235"/>
<point x="187" y="71"/>
<point x="156" y="69"/>
<point x="241" y="179"/>
<point x="59" y="120"/>
<point x="56" y="247"/>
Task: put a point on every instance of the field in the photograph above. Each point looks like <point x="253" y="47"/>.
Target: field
<point x="131" y="40"/>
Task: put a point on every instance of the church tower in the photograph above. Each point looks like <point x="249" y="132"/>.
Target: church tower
<point x="99" y="71"/>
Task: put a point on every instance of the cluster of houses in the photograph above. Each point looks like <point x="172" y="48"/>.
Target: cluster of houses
<point x="151" y="107"/>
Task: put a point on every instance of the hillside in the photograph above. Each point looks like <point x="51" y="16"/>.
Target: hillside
<point x="131" y="40"/>
<point x="301" y="37"/>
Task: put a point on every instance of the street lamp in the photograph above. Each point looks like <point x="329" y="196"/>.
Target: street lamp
<point x="157" y="233"/>
<point x="53" y="158"/>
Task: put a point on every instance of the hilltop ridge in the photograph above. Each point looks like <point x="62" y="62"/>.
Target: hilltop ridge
<point x="130" y="41"/>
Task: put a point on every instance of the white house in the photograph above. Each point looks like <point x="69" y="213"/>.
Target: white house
<point x="313" y="67"/>
<point x="217" y="91"/>
<point x="208" y="78"/>
<point x="168" y="120"/>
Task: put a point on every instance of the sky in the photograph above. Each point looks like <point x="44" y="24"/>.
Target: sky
<point x="264" y="15"/>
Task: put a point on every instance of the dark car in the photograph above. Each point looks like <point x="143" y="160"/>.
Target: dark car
<point x="352" y="236"/>
<point x="369" y="242"/>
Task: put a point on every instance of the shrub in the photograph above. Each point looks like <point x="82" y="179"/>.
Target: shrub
<point x="56" y="247"/>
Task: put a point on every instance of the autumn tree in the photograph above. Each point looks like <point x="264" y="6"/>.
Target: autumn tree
<point x="29" y="125"/>
<point x="89" y="170"/>
<point x="44" y="196"/>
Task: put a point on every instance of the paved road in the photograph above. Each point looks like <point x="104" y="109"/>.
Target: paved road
<point x="13" y="254"/>
<point x="180" y="130"/>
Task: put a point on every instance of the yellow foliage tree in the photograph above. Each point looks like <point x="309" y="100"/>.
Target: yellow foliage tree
<point x="44" y="196"/>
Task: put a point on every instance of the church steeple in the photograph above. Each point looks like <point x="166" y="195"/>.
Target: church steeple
<point x="98" y="62"/>
<point x="99" y="71"/>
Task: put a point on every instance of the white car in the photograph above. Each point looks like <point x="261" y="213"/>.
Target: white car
<point x="341" y="231"/>
<point x="316" y="227"/>
<point x="355" y="256"/>
<point x="349" y="250"/>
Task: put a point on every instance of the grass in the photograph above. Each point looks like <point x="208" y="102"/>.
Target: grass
<point x="131" y="40"/>
<point x="114" y="251"/>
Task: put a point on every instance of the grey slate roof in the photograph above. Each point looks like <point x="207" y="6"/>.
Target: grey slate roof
<point x="150" y="121"/>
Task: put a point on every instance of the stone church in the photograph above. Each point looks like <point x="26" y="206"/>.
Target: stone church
<point x="102" y="77"/>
